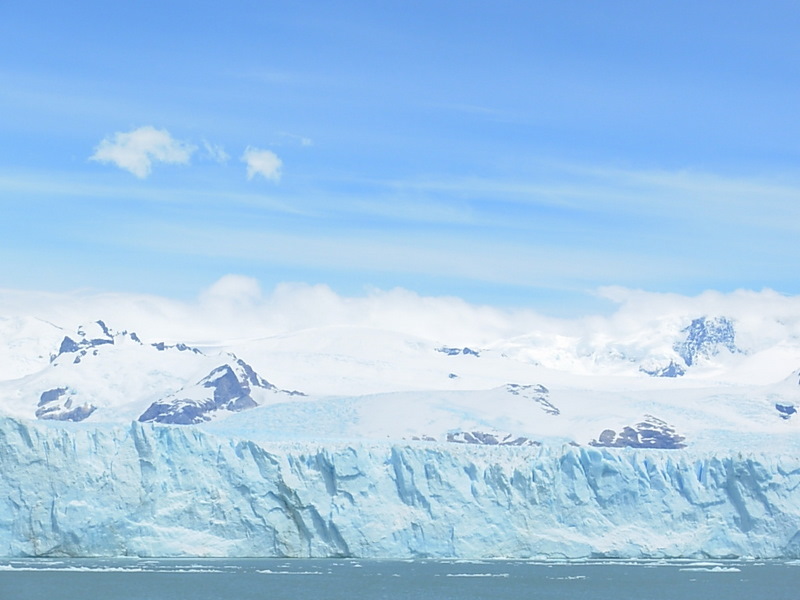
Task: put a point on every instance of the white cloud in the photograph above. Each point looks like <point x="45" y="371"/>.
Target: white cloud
<point x="235" y="308"/>
<point x="262" y="162"/>
<point x="231" y="295"/>
<point x="296" y="139"/>
<point x="215" y="152"/>
<point x="137" y="150"/>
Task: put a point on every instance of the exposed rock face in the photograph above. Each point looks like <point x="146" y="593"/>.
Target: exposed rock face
<point x="68" y="345"/>
<point x="227" y="388"/>
<point x="457" y="351"/>
<point x="537" y="393"/>
<point x="52" y="408"/>
<point x="785" y="410"/>
<point x="650" y="433"/>
<point x="705" y="338"/>
<point x="90" y="337"/>
<point x="489" y="439"/>
<point x="219" y="390"/>
<point x="672" y="369"/>
<point x="161" y="347"/>
<point x="51" y="396"/>
<point x="97" y="369"/>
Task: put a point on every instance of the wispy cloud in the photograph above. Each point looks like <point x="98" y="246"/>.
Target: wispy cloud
<point x="262" y="162"/>
<point x="473" y="109"/>
<point x="563" y="227"/>
<point x="43" y="185"/>
<point x="293" y="138"/>
<point x="369" y="254"/>
<point x="215" y="152"/>
<point x="136" y="151"/>
<point x="676" y="195"/>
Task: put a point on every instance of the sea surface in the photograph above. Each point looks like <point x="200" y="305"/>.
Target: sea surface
<point x="277" y="579"/>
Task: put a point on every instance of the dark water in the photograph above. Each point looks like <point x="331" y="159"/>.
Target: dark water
<point x="276" y="579"/>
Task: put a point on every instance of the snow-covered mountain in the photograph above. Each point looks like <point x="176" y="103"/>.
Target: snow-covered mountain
<point x="668" y="347"/>
<point x="101" y="374"/>
<point x="363" y="383"/>
<point x="353" y="440"/>
<point x="705" y="339"/>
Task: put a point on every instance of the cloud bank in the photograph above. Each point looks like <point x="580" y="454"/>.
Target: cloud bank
<point x="137" y="150"/>
<point x="235" y="307"/>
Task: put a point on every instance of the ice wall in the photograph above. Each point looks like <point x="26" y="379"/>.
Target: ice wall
<point x="149" y="490"/>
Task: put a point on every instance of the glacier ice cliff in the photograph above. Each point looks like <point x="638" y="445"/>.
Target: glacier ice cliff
<point x="152" y="490"/>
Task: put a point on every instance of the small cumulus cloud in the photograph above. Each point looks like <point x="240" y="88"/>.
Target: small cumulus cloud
<point x="136" y="151"/>
<point x="262" y="162"/>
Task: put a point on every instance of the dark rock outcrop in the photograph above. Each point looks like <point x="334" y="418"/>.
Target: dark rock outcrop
<point x="457" y="351"/>
<point x="226" y="388"/>
<point x="673" y="369"/>
<point x="161" y="347"/>
<point x="89" y="339"/>
<point x="705" y="338"/>
<point x="489" y="439"/>
<point x="537" y="393"/>
<point x="650" y="433"/>
<point x="52" y="408"/>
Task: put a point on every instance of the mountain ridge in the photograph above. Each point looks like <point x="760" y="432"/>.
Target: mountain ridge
<point x="400" y="387"/>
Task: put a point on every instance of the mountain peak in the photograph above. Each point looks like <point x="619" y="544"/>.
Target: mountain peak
<point x="88" y="338"/>
<point x="228" y="387"/>
<point x="705" y="338"/>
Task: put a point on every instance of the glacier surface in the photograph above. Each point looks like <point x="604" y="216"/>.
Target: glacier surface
<point x="151" y="490"/>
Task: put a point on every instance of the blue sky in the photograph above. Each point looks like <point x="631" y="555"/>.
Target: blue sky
<point x="509" y="153"/>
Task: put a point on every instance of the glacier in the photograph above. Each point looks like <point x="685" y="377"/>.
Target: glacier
<point x="147" y="490"/>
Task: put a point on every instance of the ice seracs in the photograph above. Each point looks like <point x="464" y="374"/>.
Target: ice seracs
<point x="156" y="490"/>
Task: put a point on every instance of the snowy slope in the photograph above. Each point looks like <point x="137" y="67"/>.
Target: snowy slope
<point x="101" y="374"/>
<point x="363" y="383"/>
<point x="705" y="417"/>
<point x="26" y="345"/>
